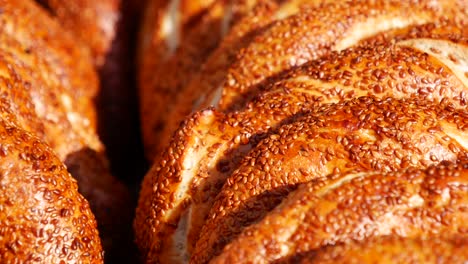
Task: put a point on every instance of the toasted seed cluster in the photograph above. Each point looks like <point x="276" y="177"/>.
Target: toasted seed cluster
<point x="359" y="135"/>
<point x="381" y="108"/>
<point x="48" y="84"/>
<point x="262" y="45"/>
<point x="43" y="217"/>
<point x="355" y="207"/>
<point x="164" y="69"/>
<point x="391" y="249"/>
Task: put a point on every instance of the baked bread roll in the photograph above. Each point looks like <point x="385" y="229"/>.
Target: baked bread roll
<point x="247" y="56"/>
<point x="356" y="207"/>
<point x="176" y="38"/>
<point x="43" y="217"/>
<point x="394" y="249"/>
<point x="180" y="188"/>
<point x="362" y="135"/>
<point x="48" y="84"/>
<point x="394" y="97"/>
<point x="107" y="28"/>
<point x="93" y="22"/>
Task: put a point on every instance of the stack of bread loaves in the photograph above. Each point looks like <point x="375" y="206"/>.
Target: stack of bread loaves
<point x="304" y="131"/>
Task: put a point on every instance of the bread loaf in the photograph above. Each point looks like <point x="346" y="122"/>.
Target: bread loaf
<point x="277" y="35"/>
<point x="107" y="28"/>
<point x="376" y="89"/>
<point x="209" y="146"/>
<point x="391" y="249"/>
<point x="93" y="22"/>
<point x="358" y="206"/>
<point x="48" y="85"/>
<point x="43" y="217"/>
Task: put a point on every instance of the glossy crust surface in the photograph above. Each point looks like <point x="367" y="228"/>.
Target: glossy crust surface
<point x="362" y="134"/>
<point x="277" y="37"/>
<point x="356" y="207"/>
<point x="176" y="37"/>
<point x="48" y="85"/>
<point x="107" y="29"/>
<point x="314" y="32"/>
<point x="62" y="64"/>
<point x="306" y="34"/>
<point x="407" y="74"/>
<point x="209" y="146"/>
<point x="93" y="22"/>
<point x="43" y="217"/>
<point x="393" y="249"/>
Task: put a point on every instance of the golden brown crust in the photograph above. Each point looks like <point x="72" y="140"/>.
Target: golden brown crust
<point x="106" y="29"/>
<point x="109" y="198"/>
<point x="393" y="249"/>
<point x="275" y="38"/>
<point x="354" y="207"/>
<point x="314" y="33"/>
<point x="197" y="171"/>
<point x="48" y="84"/>
<point x="152" y="210"/>
<point x="55" y="51"/>
<point x="245" y="27"/>
<point x="93" y="22"/>
<point x="39" y="98"/>
<point x="180" y="55"/>
<point x="361" y="135"/>
<point x="43" y="217"/>
<point x="397" y="71"/>
<point x="153" y="43"/>
<point x="167" y="25"/>
<point x="442" y="29"/>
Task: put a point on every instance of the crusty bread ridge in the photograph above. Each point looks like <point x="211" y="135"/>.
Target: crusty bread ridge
<point x="49" y="83"/>
<point x="298" y="110"/>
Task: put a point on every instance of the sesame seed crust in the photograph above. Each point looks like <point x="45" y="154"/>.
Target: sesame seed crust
<point x="199" y="31"/>
<point x="443" y="29"/>
<point x="355" y="207"/>
<point x="160" y="207"/>
<point x="275" y="37"/>
<point x="391" y="249"/>
<point x="48" y="84"/>
<point x="190" y="96"/>
<point x="364" y="134"/>
<point x="299" y="92"/>
<point x="384" y="70"/>
<point x="308" y="35"/>
<point x="35" y="39"/>
<point x="153" y="48"/>
<point x="44" y="218"/>
<point x="257" y="61"/>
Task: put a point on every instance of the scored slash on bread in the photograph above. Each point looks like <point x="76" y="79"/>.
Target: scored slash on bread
<point x="175" y="37"/>
<point x="274" y="38"/>
<point x="181" y="188"/>
<point x="402" y="63"/>
<point x="356" y="206"/>
<point x="362" y="134"/>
